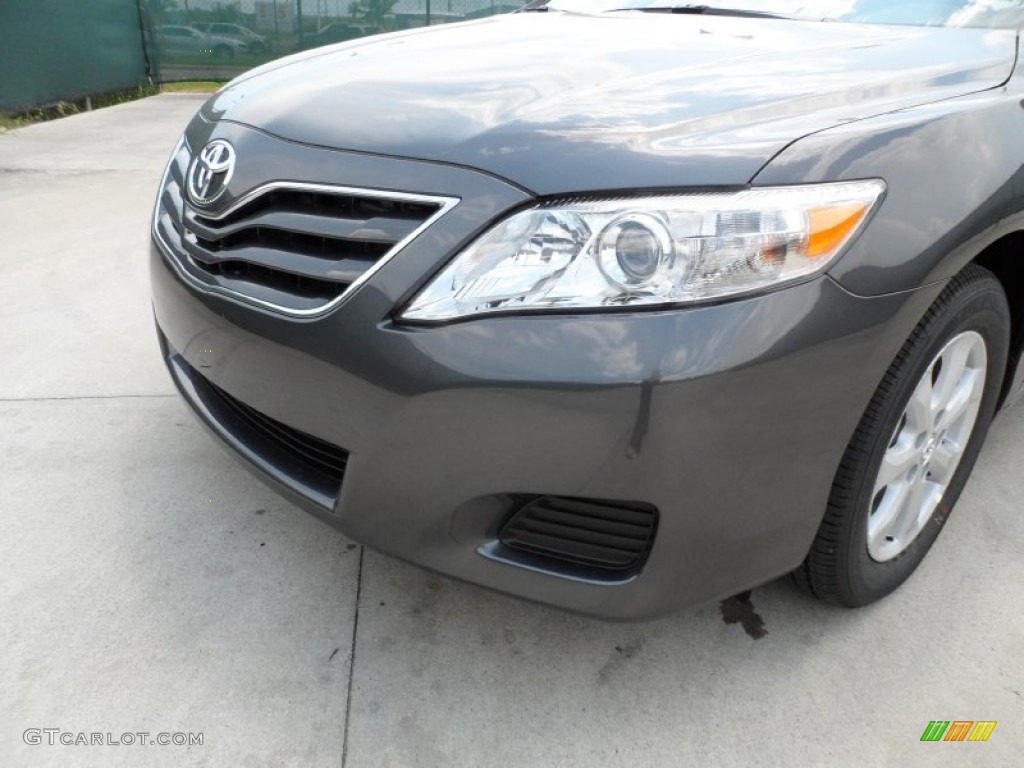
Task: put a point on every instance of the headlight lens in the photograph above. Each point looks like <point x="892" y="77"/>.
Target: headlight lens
<point x="670" y="249"/>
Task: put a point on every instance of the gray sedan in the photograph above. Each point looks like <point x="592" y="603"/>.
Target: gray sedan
<point x="618" y="311"/>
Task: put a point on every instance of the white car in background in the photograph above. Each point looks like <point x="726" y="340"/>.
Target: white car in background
<point x="177" y="39"/>
<point x="254" y="42"/>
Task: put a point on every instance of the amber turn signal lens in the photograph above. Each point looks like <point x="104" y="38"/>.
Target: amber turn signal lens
<point x="831" y="226"/>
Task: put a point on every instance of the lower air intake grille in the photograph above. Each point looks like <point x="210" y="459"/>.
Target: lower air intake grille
<point x="602" y="535"/>
<point x="316" y="456"/>
<point x="305" y="465"/>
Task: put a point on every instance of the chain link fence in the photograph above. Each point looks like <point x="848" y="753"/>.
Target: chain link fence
<point x="219" y="39"/>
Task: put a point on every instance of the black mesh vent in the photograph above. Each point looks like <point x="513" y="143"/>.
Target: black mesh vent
<point x="604" y="535"/>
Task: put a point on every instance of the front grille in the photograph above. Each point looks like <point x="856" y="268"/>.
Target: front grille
<point x="295" y="247"/>
<point x="601" y="535"/>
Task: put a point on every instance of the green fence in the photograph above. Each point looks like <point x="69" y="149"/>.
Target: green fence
<point x="218" y="39"/>
<point x="65" y="49"/>
<point x="54" y="50"/>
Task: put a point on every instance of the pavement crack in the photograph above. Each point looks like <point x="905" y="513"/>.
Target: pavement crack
<point x="352" y="660"/>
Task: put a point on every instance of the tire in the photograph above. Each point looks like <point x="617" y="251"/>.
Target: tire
<point x="877" y="527"/>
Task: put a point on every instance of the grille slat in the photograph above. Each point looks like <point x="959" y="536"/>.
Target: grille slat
<point x="590" y="554"/>
<point x="168" y="230"/>
<point x="292" y="242"/>
<point x="378" y="229"/>
<point x="274" y="287"/>
<point x="582" y="536"/>
<point x="603" y="535"/>
<point x="343" y="270"/>
<point x="179" y="167"/>
<point x="297" y="248"/>
<point x="595" y="534"/>
<point x="594" y="511"/>
<point x="171" y="200"/>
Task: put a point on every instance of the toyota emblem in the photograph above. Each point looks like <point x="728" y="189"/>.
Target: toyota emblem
<point x="210" y="172"/>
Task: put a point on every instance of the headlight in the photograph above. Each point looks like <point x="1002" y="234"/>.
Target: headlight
<point x="647" y="251"/>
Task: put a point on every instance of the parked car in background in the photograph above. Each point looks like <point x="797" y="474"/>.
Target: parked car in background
<point x="337" y="32"/>
<point x="175" y="39"/>
<point x="617" y="311"/>
<point x="254" y="43"/>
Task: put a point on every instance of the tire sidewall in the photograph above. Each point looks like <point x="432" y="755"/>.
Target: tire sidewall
<point x="979" y="306"/>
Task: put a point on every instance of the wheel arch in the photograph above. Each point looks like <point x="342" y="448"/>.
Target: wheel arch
<point x="1005" y="259"/>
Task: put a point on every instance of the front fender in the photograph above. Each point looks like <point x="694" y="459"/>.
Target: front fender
<point x="955" y="175"/>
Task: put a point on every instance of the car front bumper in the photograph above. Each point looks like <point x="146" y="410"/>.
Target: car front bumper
<point x="730" y="419"/>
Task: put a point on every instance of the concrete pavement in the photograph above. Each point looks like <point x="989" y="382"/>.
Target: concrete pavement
<point x="147" y="583"/>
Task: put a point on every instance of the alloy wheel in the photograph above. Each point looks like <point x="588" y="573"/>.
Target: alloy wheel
<point x="927" y="446"/>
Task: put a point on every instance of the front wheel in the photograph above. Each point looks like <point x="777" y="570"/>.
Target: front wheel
<point x="915" y="446"/>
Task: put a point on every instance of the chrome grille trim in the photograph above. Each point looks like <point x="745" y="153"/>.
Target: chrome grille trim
<point x="170" y="214"/>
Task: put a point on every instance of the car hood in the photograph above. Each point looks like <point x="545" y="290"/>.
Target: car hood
<point x="563" y="103"/>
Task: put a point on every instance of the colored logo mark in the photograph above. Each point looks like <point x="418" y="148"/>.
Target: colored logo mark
<point x="958" y="730"/>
